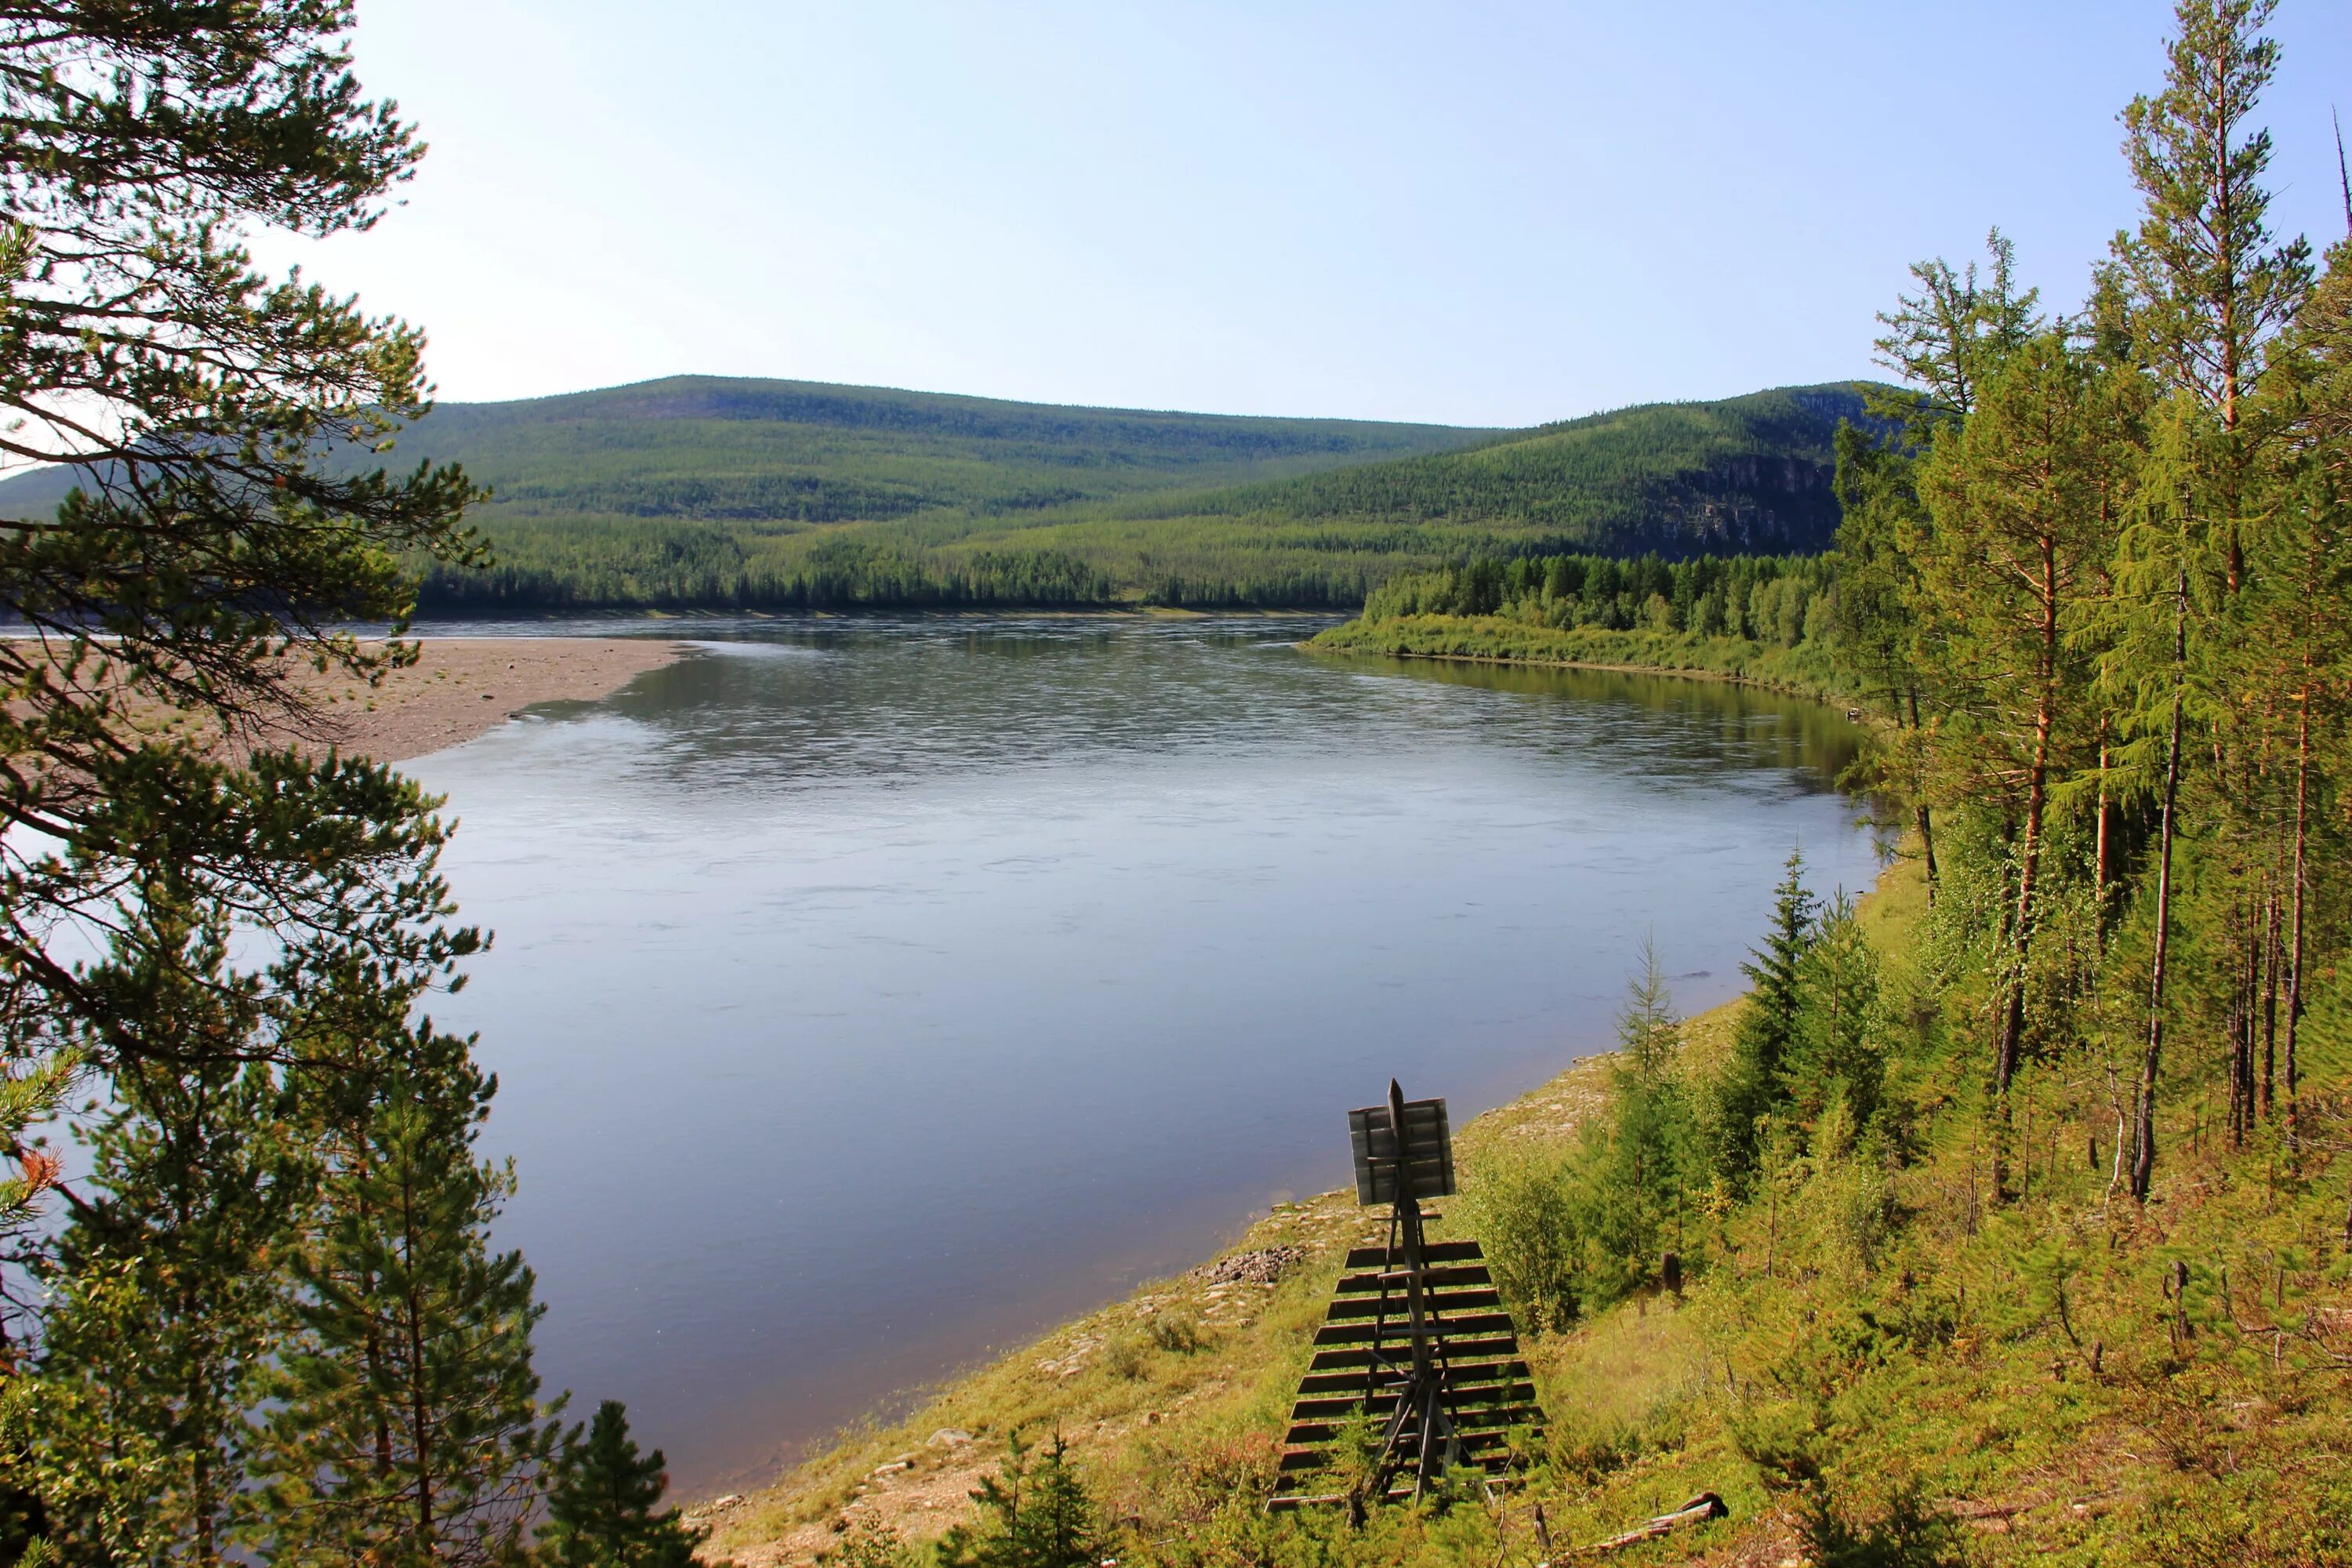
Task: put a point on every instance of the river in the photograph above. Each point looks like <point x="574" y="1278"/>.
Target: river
<point x="870" y="994"/>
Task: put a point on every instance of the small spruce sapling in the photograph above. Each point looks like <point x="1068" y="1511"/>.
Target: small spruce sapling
<point x="1752" y="1087"/>
<point x="604" y="1507"/>
<point x="1035" y="1513"/>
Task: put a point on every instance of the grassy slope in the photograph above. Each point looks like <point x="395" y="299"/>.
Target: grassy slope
<point x="2094" y="1434"/>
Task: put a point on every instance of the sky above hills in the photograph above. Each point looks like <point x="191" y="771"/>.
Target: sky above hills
<point x="1487" y="215"/>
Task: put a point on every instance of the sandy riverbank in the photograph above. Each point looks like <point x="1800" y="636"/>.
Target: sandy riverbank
<point x="462" y="687"/>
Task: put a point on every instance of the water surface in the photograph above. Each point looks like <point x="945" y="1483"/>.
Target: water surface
<point x="867" y="994"/>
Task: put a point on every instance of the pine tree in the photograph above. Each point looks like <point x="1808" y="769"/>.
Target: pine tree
<point x="1035" y="1513"/>
<point x="1752" y="1087"/>
<point x="2026" y="499"/>
<point x="2210" y="287"/>
<point x="2305" y="600"/>
<point x="1839" y="1049"/>
<point x="221" y="544"/>
<point x="1639" y="1163"/>
<point x="1875" y="635"/>
<point x="1947" y="340"/>
<point x="163" y="1310"/>
<point x="408" y="1429"/>
<point x="2204" y="289"/>
<point x="196" y="402"/>
<point x="603" y="1503"/>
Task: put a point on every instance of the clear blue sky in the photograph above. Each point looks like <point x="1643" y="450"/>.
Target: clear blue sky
<point x="1476" y="213"/>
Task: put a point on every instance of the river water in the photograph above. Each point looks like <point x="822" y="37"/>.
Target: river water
<point x="870" y="994"/>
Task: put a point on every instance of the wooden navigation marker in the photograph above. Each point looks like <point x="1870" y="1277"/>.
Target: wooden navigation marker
<point x="1416" y="1340"/>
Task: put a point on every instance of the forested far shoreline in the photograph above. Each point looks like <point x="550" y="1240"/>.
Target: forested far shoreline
<point x="704" y="493"/>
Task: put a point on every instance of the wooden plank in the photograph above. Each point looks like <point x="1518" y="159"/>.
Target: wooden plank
<point x="1399" y="1491"/>
<point x="1489" y="1439"/>
<point x="1478" y="1422"/>
<point x="1468" y="1324"/>
<point x="1461" y="1373"/>
<point x="1484" y="1418"/>
<point x="1380" y="1403"/>
<point x="1468" y="1374"/>
<point x="1469" y="1346"/>
<point x="1434" y="1252"/>
<point x="1459" y="1274"/>
<point x="1282" y="1502"/>
<point x="1440" y="1304"/>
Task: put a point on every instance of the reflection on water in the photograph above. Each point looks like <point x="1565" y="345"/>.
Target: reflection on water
<point x="870" y="993"/>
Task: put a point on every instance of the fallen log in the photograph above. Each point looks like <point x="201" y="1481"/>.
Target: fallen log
<point x="1699" y="1511"/>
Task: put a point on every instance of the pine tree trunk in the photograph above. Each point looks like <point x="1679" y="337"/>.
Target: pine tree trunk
<point x="2240" y="1024"/>
<point x="2144" y="1128"/>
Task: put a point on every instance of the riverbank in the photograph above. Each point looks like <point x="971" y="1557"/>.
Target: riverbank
<point x="1186" y="1385"/>
<point x="1197" y="1372"/>
<point x="460" y="688"/>
<point x="1801" y="671"/>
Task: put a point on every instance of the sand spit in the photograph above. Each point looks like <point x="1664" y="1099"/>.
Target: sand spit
<point x="463" y="687"/>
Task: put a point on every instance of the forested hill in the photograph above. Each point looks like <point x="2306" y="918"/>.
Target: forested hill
<point x="711" y="493"/>
<point x="1747" y="474"/>
<point x="710" y="448"/>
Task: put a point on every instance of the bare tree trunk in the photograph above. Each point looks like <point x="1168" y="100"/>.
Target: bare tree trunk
<point x="2104" y="865"/>
<point x="2012" y="1032"/>
<point x="2294" y="936"/>
<point x="2011" y="1042"/>
<point x="2239" y="1021"/>
<point x="1921" y="818"/>
<point x="2143" y="1119"/>
<point x="2269" y="995"/>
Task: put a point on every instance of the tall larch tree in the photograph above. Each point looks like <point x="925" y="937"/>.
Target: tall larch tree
<point x="2024" y="502"/>
<point x="2204" y="288"/>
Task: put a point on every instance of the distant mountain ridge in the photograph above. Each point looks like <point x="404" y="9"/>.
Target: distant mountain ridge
<point x="708" y="491"/>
